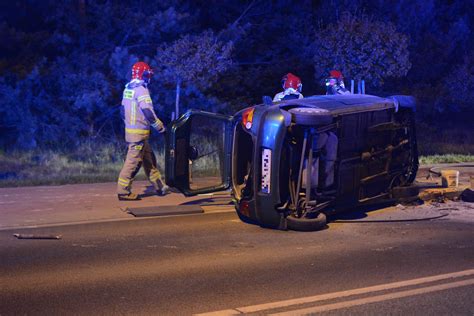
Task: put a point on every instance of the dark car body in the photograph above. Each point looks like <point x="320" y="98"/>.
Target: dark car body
<point x="262" y="161"/>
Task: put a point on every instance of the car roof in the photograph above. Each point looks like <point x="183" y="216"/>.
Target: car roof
<point x="342" y="104"/>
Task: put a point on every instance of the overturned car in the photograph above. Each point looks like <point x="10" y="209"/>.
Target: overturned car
<point x="293" y="163"/>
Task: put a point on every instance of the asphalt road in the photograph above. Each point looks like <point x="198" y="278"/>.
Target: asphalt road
<point x="213" y="262"/>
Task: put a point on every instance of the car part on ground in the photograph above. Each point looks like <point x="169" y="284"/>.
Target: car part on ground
<point x="405" y="192"/>
<point x="467" y="195"/>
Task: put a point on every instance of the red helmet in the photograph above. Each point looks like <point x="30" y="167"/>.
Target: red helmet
<point x="142" y="71"/>
<point x="336" y="74"/>
<point x="291" y="81"/>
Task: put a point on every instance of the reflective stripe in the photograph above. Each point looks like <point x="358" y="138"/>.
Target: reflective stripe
<point x="138" y="147"/>
<point x="123" y="182"/>
<point x="156" y="124"/>
<point x="128" y="94"/>
<point x="155" y="177"/>
<point x="137" y="131"/>
<point x="144" y="97"/>
<point x="133" y="117"/>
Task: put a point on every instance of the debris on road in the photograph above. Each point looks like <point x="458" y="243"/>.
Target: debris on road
<point x="32" y="236"/>
<point x="467" y="195"/>
<point x="454" y="184"/>
<point x="164" y="210"/>
<point x="437" y="194"/>
<point x="392" y="220"/>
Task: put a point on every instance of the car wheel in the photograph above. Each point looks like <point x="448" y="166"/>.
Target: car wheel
<point x="310" y="116"/>
<point x="306" y="224"/>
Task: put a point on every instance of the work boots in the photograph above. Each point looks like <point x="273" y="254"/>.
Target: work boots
<point x="128" y="197"/>
<point x="164" y="190"/>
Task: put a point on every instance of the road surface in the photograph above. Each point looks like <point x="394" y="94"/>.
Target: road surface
<point x="215" y="263"/>
<point x="109" y="263"/>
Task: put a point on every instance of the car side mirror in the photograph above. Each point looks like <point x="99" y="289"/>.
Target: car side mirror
<point x="266" y="100"/>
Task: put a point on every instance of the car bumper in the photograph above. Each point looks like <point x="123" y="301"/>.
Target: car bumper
<point x="260" y="205"/>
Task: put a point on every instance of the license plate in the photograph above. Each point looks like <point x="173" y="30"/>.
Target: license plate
<point x="266" y="170"/>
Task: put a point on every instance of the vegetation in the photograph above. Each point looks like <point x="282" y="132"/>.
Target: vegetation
<point x="88" y="164"/>
<point x="362" y="49"/>
<point x="449" y="158"/>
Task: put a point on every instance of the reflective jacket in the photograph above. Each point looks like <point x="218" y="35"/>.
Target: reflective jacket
<point x="288" y="94"/>
<point x="337" y="89"/>
<point x="137" y="112"/>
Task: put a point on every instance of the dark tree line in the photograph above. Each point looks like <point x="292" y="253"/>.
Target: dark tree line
<point x="63" y="65"/>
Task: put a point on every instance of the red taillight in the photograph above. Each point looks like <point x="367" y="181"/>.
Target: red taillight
<point x="245" y="208"/>
<point x="247" y="118"/>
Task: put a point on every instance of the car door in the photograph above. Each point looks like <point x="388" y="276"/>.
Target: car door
<point x="198" y="152"/>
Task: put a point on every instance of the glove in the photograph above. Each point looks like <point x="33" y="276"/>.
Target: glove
<point x="158" y="125"/>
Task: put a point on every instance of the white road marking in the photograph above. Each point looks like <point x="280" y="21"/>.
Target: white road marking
<point x="347" y="293"/>
<point x="377" y="298"/>
<point x="226" y="312"/>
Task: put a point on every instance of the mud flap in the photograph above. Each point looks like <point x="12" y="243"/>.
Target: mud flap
<point x="283" y="222"/>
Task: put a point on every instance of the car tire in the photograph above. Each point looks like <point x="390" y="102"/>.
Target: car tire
<point x="305" y="224"/>
<point x="310" y="116"/>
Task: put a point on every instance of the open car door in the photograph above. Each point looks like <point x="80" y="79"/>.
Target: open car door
<point x="198" y="152"/>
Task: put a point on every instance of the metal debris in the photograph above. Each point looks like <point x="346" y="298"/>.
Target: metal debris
<point x="33" y="236"/>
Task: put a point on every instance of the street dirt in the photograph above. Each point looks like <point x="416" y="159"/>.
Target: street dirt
<point x="435" y="201"/>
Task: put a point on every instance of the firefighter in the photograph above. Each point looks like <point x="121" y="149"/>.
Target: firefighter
<point x="138" y="115"/>
<point x="335" y="83"/>
<point x="292" y="87"/>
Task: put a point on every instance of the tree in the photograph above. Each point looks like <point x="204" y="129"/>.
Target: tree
<point x="459" y="87"/>
<point x="196" y="59"/>
<point x="362" y="49"/>
<point x="33" y="116"/>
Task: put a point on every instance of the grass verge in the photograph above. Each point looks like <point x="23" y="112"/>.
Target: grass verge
<point x="88" y="164"/>
<point x="448" y="158"/>
<point x="84" y="165"/>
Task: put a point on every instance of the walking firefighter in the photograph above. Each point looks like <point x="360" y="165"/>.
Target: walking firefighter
<point x="138" y="115"/>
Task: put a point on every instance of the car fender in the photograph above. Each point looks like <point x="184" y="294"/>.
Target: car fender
<point x="271" y="136"/>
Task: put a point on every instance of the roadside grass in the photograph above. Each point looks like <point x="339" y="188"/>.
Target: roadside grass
<point x="91" y="163"/>
<point x="86" y="164"/>
<point x="448" y="158"/>
<point x="435" y="140"/>
<point x="445" y="144"/>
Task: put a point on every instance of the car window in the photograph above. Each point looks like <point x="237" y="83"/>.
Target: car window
<point x="207" y="146"/>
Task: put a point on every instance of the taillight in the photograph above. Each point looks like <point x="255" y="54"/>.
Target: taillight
<point x="247" y="118"/>
<point x="245" y="208"/>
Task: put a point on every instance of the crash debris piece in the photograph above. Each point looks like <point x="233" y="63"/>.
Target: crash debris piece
<point x="435" y="194"/>
<point x="36" y="236"/>
<point x="450" y="178"/>
<point x="468" y="195"/>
